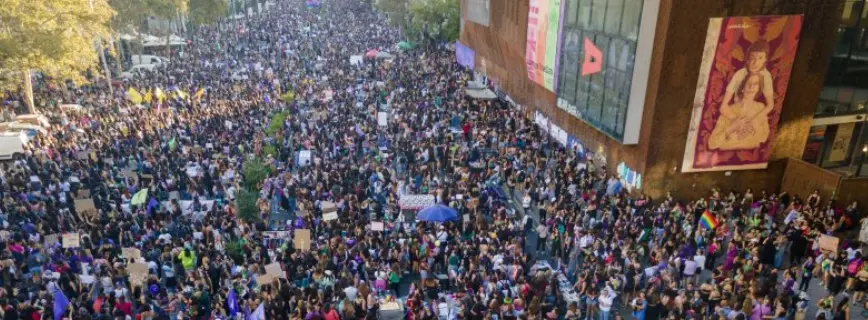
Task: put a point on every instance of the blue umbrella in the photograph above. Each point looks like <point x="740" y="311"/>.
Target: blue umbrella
<point x="437" y="213"/>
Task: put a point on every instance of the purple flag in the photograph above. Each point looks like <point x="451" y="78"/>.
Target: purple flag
<point x="232" y="302"/>
<point x="60" y="303"/>
<point x="465" y="55"/>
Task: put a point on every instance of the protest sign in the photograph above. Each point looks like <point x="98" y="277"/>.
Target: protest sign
<point x="131" y="253"/>
<point x="83" y="194"/>
<point x="328" y="207"/>
<point x="138" y="273"/>
<point x="85" y="207"/>
<point x="377" y="226"/>
<point x="265" y="279"/>
<point x="86" y="279"/>
<point x="829" y="243"/>
<point x="129" y="174"/>
<point x="302" y="239"/>
<point x="71" y="240"/>
<point x="51" y="240"/>
<point x="274" y="270"/>
<point x="330" y="216"/>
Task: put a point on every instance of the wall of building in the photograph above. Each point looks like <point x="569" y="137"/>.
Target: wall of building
<point x="678" y="83"/>
<point x="500" y="54"/>
<point x="675" y="65"/>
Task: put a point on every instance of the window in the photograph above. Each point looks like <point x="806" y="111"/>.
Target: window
<point x="600" y="99"/>
<point x="630" y="20"/>
<point x="598" y="15"/>
<point x="572" y="15"/>
<point x="584" y="12"/>
<point x="613" y="16"/>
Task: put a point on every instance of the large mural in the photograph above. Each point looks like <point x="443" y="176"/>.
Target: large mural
<point x="541" y="52"/>
<point x="746" y="65"/>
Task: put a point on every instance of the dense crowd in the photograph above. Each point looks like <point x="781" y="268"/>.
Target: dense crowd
<point x="543" y="232"/>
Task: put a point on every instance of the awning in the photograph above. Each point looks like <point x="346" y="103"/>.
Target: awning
<point x="481" y="94"/>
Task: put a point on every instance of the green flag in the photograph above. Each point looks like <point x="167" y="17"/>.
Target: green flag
<point x="172" y="144"/>
<point x="140" y="197"/>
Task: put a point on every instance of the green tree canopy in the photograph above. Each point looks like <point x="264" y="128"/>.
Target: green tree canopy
<point x="207" y="11"/>
<point x="248" y="211"/>
<point x="441" y="17"/>
<point x="55" y="37"/>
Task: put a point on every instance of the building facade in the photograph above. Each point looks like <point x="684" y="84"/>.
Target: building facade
<point x="624" y="88"/>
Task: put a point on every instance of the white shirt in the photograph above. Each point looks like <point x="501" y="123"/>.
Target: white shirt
<point x="585" y="241"/>
<point x="543" y="231"/>
<point x="700" y="261"/>
<point x="607" y="300"/>
<point x="690" y="267"/>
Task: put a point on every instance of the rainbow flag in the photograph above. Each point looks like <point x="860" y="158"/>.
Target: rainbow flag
<point x="708" y="220"/>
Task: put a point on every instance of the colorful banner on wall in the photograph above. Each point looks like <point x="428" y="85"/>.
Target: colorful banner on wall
<point x="631" y="178"/>
<point x="742" y="83"/>
<point x="466" y="56"/>
<point x="841" y="143"/>
<point x="543" y="27"/>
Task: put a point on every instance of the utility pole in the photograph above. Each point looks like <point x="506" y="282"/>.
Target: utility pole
<point x="108" y="75"/>
<point x="28" y="91"/>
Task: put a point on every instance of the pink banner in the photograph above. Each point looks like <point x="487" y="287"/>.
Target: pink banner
<point x="742" y="83"/>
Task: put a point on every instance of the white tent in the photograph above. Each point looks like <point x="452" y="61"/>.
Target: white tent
<point x="481" y="94"/>
<point x="152" y="41"/>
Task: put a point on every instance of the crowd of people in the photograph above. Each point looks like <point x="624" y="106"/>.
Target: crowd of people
<point x="543" y="232"/>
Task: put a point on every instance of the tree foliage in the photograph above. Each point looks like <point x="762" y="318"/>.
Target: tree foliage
<point x="245" y="200"/>
<point x="207" y="11"/>
<point x="255" y="172"/>
<point x="55" y="37"/>
<point x="441" y="18"/>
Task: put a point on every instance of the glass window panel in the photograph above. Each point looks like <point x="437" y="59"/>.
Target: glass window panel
<point x="613" y="16"/>
<point x="610" y="101"/>
<point x="861" y="96"/>
<point x="621" y="119"/>
<point x="572" y="48"/>
<point x="630" y="19"/>
<point x="828" y="93"/>
<point x="598" y="15"/>
<point x="569" y="91"/>
<point x="582" y="96"/>
<point x="617" y="56"/>
<point x="595" y="98"/>
<point x="572" y="13"/>
<point x="584" y="13"/>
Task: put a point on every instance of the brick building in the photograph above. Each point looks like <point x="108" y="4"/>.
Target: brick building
<point x="653" y="52"/>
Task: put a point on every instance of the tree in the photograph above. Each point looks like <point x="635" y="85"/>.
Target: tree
<point x="441" y="17"/>
<point x="248" y="210"/>
<point x="255" y="172"/>
<point x="397" y="10"/>
<point x="207" y="11"/>
<point x="54" y="37"/>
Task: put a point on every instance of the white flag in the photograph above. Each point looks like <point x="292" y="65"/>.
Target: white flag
<point x="258" y="314"/>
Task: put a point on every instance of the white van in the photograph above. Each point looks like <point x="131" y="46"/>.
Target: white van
<point x="34" y="119"/>
<point x="12" y="144"/>
<point x="146" y="59"/>
<point x="138" y="70"/>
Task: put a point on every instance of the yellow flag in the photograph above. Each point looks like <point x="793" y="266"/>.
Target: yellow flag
<point x="134" y="95"/>
<point x="160" y="95"/>
<point x="148" y="96"/>
<point x="199" y="93"/>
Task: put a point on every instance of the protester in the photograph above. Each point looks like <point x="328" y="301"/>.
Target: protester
<point x="542" y="231"/>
